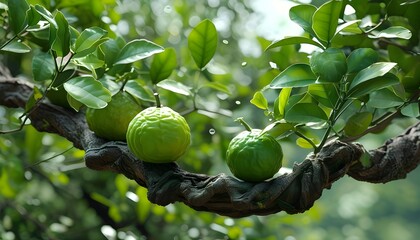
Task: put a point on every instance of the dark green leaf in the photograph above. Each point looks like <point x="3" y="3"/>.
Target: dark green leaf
<point x="326" y="94"/>
<point x="302" y="15"/>
<point x="162" y="65"/>
<point x="384" y="98"/>
<point x="16" y="46"/>
<point x="137" y="90"/>
<point x="361" y="58"/>
<point x="294" y="40"/>
<point x="393" y="32"/>
<point x="61" y="40"/>
<point x="411" y="110"/>
<point x="202" y="43"/>
<point x="408" y="2"/>
<point x="259" y="100"/>
<point x="174" y="86"/>
<point x="373" y="71"/>
<point x="17" y="14"/>
<point x="136" y="50"/>
<point x="297" y="75"/>
<point x="88" y="91"/>
<point x="330" y="65"/>
<point x="47" y="15"/>
<point x="32" y="16"/>
<point x="325" y="20"/>
<point x="358" y="123"/>
<point x="373" y="84"/>
<point x="43" y="66"/>
<point x="110" y="49"/>
<point x="305" y="113"/>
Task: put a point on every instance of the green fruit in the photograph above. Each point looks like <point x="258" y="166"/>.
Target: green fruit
<point x="112" y="121"/>
<point x="158" y="135"/>
<point x="254" y="157"/>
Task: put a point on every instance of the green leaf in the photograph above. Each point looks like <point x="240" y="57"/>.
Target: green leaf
<point x="143" y="206"/>
<point x="393" y="32"/>
<point x="326" y="94"/>
<point x="43" y="66"/>
<point x="137" y="90"/>
<point x="136" y="50"/>
<point x="325" y="20"/>
<point x="297" y="75"/>
<point x="283" y="100"/>
<point x="294" y="40"/>
<point x="174" y="86"/>
<point x="90" y="62"/>
<point x="329" y="65"/>
<point x="32" y="17"/>
<point x="162" y="65"/>
<point x="305" y="113"/>
<point x="110" y="49"/>
<point x="303" y="143"/>
<point x="60" y="37"/>
<point x="47" y="15"/>
<point x="17" y="14"/>
<point x="373" y="71"/>
<point x="411" y="110"/>
<point x="16" y="46"/>
<point x="408" y="2"/>
<point x="373" y="84"/>
<point x="276" y="129"/>
<point x="88" y="91"/>
<point x="361" y="58"/>
<point x="384" y="98"/>
<point x="88" y="40"/>
<point x="349" y="27"/>
<point x="202" y="43"/>
<point x="358" y="123"/>
<point x="302" y="15"/>
<point x="259" y="100"/>
<point x="217" y="86"/>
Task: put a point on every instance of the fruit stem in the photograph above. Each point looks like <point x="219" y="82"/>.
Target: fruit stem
<point x="242" y="121"/>
<point x="157" y="99"/>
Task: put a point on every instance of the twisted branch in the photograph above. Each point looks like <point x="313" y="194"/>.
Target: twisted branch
<point x="167" y="183"/>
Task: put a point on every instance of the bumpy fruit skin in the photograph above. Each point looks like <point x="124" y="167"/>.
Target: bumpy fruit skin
<point x="158" y="135"/>
<point x="112" y="121"/>
<point x="253" y="157"/>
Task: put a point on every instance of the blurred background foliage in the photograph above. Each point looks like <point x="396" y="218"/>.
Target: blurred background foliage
<point x="46" y="192"/>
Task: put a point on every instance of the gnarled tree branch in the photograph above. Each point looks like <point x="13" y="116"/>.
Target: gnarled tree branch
<point x="167" y="183"/>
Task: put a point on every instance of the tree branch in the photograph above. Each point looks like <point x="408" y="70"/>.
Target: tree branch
<point x="167" y="183"/>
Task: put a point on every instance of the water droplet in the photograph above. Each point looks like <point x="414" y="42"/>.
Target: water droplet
<point x="225" y="42"/>
<point x="273" y="65"/>
<point x="167" y="9"/>
<point x="243" y="64"/>
<point x="212" y="131"/>
<point x="238" y="102"/>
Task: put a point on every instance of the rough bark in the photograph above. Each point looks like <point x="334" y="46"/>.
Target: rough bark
<point x="293" y="193"/>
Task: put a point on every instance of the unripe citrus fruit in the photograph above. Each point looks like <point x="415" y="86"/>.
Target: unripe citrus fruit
<point x="112" y="121"/>
<point x="158" y="135"/>
<point x="254" y="157"/>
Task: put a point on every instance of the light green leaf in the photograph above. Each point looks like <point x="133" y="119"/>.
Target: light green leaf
<point x="325" y="20"/>
<point x="43" y="66"/>
<point x="88" y="41"/>
<point x="283" y="100"/>
<point x="349" y="27"/>
<point x="302" y="15"/>
<point x="384" y="98"/>
<point x="202" y="43"/>
<point x="17" y="14"/>
<point x="393" y="32"/>
<point x="373" y="84"/>
<point x="76" y="105"/>
<point x="278" y="129"/>
<point x="162" y="65"/>
<point x="297" y="75"/>
<point x="259" y="100"/>
<point x="303" y="143"/>
<point x="137" y="90"/>
<point x="143" y="206"/>
<point x="358" y="123"/>
<point x="305" y="113"/>
<point x="373" y="71"/>
<point x="90" y="62"/>
<point x="326" y="94"/>
<point x="294" y="40"/>
<point x="16" y="46"/>
<point x="411" y="110"/>
<point x="136" y="50"/>
<point x="330" y="65"/>
<point x="174" y="86"/>
<point x="217" y="86"/>
<point x="361" y="58"/>
<point x="88" y="91"/>
<point x="47" y="15"/>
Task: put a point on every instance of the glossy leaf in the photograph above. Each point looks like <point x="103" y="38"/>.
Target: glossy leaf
<point x="202" y="43"/>
<point x="372" y="85"/>
<point x="408" y="2"/>
<point x="361" y="58"/>
<point x="259" y="100"/>
<point x="17" y="14"/>
<point x="349" y="27"/>
<point x="283" y="100"/>
<point x="305" y="113"/>
<point x="302" y="15"/>
<point x="411" y="110"/>
<point x="216" y="86"/>
<point x="32" y="18"/>
<point x="88" y="40"/>
<point x="326" y="94"/>
<point x="46" y="15"/>
<point x="174" y="86"/>
<point x="60" y="36"/>
<point x="329" y="65"/>
<point x="294" y="40"/>
<point x="16" y="46"/>
<point x="43" y="66"/>
<point x="88" y="91"/>
<point x="162" y="65"/>
<point x="90" y="62"/>
<point x="325" y="20"/>
<point x="136" y="50"/>
<point x="137" y="90"/>
<point x="373" y="71"/>
<point x="297" y="75"/>
<point x="384" y="98"/>
<point x="110" y="49"/>
<point x="393" y="32"/>
<point x="358" y="123"/>
<point x="278" y="128"/>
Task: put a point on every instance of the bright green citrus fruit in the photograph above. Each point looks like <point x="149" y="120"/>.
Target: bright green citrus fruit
<point x="112" y="121"/>
<point x="254" y="157"/>
<point x="158" y="135"/>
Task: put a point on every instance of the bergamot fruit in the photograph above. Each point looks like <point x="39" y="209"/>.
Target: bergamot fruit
<point x="158" y="135"/>
<point x="254" y="157"/>
<point x="112" y="121"/>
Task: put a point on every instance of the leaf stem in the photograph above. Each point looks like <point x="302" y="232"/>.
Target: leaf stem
<point x="242" y="121"/>
<point x="158" y="104"/>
